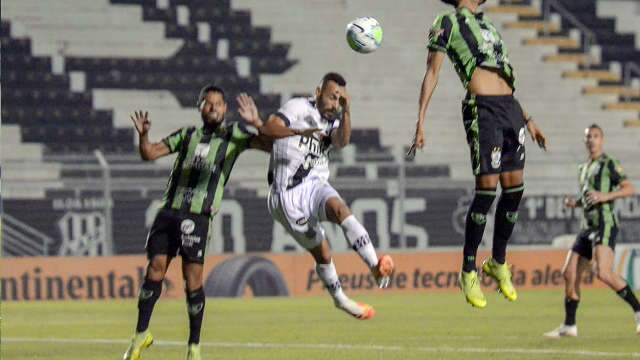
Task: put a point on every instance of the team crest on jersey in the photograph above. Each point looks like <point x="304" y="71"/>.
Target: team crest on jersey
<point x="200" y="155"/>
<point x="496" y="157"/>
<point x="488" y="36"/>
<point x="594" y="170"/>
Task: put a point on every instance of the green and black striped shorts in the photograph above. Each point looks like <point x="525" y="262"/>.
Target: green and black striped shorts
<point x="495" y="133"/>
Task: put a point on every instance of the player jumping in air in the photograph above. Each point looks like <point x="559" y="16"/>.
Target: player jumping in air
<point x="301" y="197"/>
<point x="495" y="125"/>
<point x="206" y="156"/>
<point x="602" y="180"/>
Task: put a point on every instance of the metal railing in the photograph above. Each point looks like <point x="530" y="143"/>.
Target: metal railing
<point x="108" y="200"/>
<point x="631" y="68"/>
<point x="20" y="238"/>
<point x="588" y="37"/>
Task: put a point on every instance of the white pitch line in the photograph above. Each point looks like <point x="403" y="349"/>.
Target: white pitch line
<point x="250" y="345"/>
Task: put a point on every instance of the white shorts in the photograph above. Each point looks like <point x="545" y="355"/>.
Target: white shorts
<point x="301" y="209"/>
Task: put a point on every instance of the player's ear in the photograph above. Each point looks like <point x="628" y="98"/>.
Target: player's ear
<point x="318" y="91"/>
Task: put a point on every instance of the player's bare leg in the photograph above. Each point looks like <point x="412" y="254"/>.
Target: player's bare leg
<point x="192" y="273"/>
<point x="149" y="294"/>
<point x="339" y="213"/>
<point x="575" y="265"/>
<point x="604" y="256"/>
<point x="326" y="271"/>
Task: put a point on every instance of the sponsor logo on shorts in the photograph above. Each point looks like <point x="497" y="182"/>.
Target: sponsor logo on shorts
<point x="187" y="226"/>
<point x="189" y="240"/>
<point x="496" y="156"/>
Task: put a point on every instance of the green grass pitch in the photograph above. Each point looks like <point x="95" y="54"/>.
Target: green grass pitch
<point x="425" y="326"/>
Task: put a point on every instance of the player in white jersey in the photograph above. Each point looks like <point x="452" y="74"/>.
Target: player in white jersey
<point x="301" y="197"/>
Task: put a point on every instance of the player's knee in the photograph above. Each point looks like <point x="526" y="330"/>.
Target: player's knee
<point x="569" y="276"/>
<point x="337" y="210"/>
<point x="193" y="278"/>
<point x="156" y="270"/>
<point x="193" y="284"/>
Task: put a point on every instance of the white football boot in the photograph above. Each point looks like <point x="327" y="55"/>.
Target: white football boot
<point x="562" y="331"/>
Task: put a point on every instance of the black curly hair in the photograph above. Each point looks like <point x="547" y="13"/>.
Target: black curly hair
<point x="455" y="2"/>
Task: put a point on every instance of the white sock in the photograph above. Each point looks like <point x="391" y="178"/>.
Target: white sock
<point x="329" y="276"/>
<point x="359" y="240"/>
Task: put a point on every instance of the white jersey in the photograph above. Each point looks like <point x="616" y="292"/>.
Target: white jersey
<point x="296" y="159"/>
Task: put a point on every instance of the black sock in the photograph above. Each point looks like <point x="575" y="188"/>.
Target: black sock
<point x="474" y="226"/>
<point x="506" y="217"/>
<point x="627" y="295"/>
<point x="195" y="308"/>
<point x="570" y="308"/>
<point x="149" y="294"/>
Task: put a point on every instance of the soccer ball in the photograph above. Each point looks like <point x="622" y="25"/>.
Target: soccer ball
<point x="364" y="35"/>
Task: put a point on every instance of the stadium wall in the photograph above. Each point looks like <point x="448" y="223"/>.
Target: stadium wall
<point x="120" y="277"/>
<point x="428" y="217"/>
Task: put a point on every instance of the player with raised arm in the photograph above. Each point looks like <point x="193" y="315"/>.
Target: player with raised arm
<point x="301" y="196"/>
<point x="602" y="180"/>
<point x="206" y="156"/>
<point x="495" y="125"/>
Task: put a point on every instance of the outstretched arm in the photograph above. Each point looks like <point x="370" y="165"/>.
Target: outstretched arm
<point x="148" y="150"/>
<point x="274" y="128"/>
<point x="429" y="82"/>
<point x="536" y="133"/>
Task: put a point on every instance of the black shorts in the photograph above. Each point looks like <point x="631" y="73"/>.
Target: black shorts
<point x="495" y="133"/>
<point x="175" y="232"/>
<point x="590" y="238"/>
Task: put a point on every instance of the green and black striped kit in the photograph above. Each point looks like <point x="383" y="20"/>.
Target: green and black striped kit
<point x="603" y="175"/>
<point x="202" y="168"/>
<point x="470" y="40"/>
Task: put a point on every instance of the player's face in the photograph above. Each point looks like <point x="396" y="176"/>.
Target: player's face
<point x="213" y="108"/>
<point x="594" y="140"/>
<point x="329" y="99"/>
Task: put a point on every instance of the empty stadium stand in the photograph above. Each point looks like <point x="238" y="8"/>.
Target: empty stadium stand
<point x="72" y="73"/>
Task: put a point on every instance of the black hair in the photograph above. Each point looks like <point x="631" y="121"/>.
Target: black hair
<point x="455" y="3"/>
<point x="451" y="2"/>
<point x="335" y="77"/>
<point x="207" y="89"/>
<point x="596" y="126"/>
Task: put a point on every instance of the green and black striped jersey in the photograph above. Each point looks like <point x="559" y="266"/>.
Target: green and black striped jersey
<point x="470" y="40"/>
<point x="202" y="168"/>
<point x="603" y="175"/>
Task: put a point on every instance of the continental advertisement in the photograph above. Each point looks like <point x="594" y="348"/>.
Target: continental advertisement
<point x="119" y="277"/>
